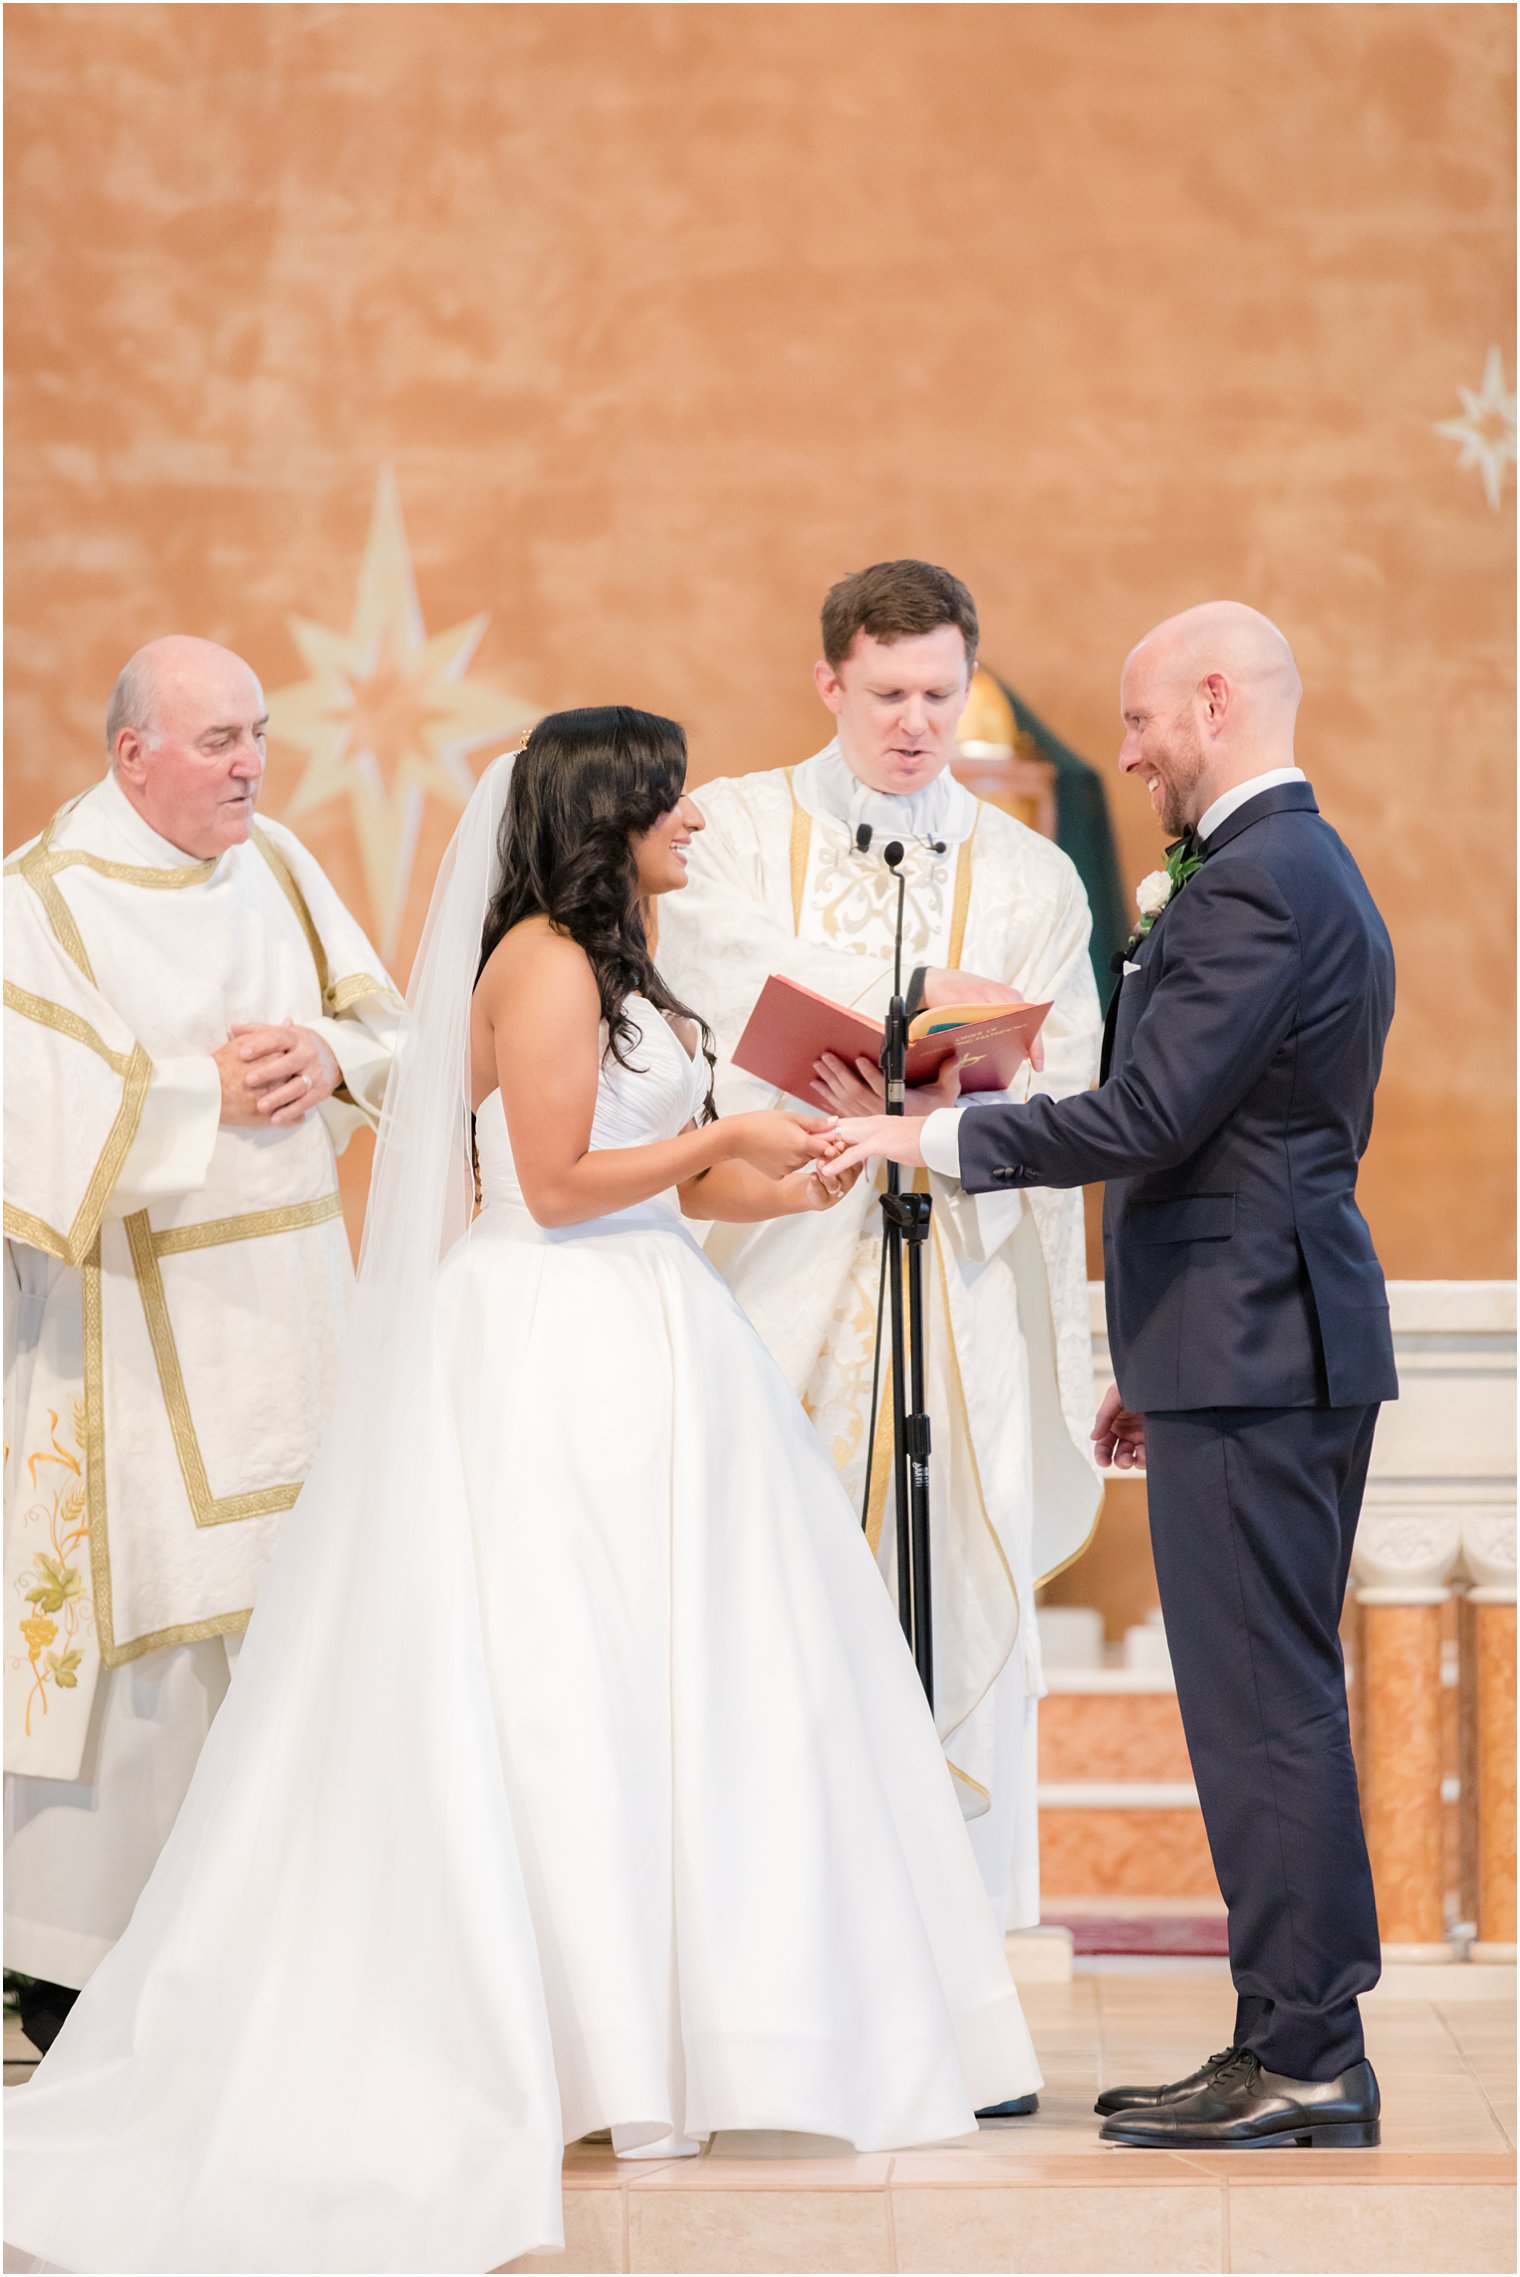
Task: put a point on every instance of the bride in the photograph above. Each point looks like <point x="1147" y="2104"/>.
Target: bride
<point x="575" y="1774"/>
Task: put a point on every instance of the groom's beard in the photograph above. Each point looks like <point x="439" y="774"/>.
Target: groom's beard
<point x="1184" y="768"/>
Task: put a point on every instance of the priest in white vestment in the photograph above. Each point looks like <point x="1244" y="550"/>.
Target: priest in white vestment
<point x="788" y="877"/>
<point x="194" y="1026"/>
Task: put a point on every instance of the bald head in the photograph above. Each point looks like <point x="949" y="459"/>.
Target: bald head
<point x="160" y="670"/>
<point x="1235" y="642"/>
<point x="185" y="732"/>
<point x="1209" y="700"/>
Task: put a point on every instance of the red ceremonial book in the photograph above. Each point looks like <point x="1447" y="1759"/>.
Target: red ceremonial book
<point x="792" y="1027"/>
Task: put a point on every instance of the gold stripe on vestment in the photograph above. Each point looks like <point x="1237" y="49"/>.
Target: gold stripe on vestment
<point x="71" y="1247"/>
<point x="211" y="1233"/>
<point x="127" y="873"/>
<point x="206" y="1508"/>
<point x="961" y="905"/>
<point x="114" y="1655"/>
<point x="285" y="879"/>
<point x="64" y="1022"/>
<point x="881" y="1460"/>
<point x="337" y="995"/>
<point x="801" y="844"/>
<point x="37" y="867"/>
<point x="353" y="987"/>
<point x="40" y="865"/>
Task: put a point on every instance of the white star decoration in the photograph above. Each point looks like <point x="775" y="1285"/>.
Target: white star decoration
<point x="1486" y="430"/>
<point x="387" y="716"/>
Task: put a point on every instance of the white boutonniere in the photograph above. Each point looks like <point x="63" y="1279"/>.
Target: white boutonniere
<point x="1152" y="895"/>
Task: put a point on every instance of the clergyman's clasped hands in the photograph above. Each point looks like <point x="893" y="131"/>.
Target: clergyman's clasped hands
<point x="274" y="1072"/>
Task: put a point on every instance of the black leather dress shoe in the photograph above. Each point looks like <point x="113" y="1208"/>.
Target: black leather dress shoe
<point x="1017" y="2107"/>
<point x="1245" y="2108"/>
<point x="1146" y="2098"/>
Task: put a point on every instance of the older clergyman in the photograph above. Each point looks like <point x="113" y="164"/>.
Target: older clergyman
<point x="194" y="1025"/>
<point x="1249" y="1325"/>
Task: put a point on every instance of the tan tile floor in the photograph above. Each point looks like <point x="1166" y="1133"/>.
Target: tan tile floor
<point x="1041" y="2194"/>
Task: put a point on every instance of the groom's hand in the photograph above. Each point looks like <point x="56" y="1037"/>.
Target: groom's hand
<point x="1118" y="1435"/>
<point x="885" y="1138"/>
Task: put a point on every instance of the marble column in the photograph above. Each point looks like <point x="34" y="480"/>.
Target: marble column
<point x="1404" y="1559"/>
<point x="1488" y="1550"/>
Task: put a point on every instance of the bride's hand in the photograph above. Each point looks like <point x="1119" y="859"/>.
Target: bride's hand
<point x="778" y="1140"/>
<point x="822" y="1186"/>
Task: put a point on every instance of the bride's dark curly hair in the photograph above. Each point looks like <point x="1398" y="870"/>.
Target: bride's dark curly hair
<point x="585" y="785"/>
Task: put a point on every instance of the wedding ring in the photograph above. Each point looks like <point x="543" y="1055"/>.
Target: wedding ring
<point x="306" y="1079"/>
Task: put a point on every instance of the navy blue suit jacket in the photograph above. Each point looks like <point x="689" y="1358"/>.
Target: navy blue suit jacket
<point x="1244" y="1051"/>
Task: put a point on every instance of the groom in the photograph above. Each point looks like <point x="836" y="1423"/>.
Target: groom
<point x="1249" y="1327"/>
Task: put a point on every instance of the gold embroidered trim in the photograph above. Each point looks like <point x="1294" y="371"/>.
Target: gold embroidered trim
<point x="72" y="1246"/>
<point x="211" y="1233"/>
<point x="37" y="866"/>
<point x="95" y="1453"/>
<point x="58" y="1017"/>
<point x="129" y="873"/>
<point x="40" y="866"/>
<point x="962" y="901"/>
<point x="112" y="1654"/>
<point x="183" y="1632"/>
<point x="801" y="844"/>
<point x="206" y="1508"/>
<point x="881" y="1460"/>
<point x="20" y="1225"/>
<point x="337" y="995"/>
<point x="352" y="987"/>
<point x="966" y="1780"/>
<point x="285" y="879"/>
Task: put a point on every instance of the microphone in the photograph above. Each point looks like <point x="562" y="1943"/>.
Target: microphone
<point x="895" y="1039"/>
<point x="864" y="835"/>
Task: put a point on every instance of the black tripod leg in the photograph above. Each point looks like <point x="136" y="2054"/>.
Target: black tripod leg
<point x="900" y="1467"/>
<point x="917" y="1438"/>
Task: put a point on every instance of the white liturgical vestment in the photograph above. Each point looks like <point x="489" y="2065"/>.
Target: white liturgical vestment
<point x="777" y="883"/>
<point x="176" y="1290"/>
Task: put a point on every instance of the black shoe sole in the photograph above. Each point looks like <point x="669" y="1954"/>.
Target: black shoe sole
<point x="1345" y="2134"/>
<point x="1019" y="2107"/>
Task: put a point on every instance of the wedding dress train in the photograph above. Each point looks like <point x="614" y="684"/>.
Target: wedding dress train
<point x="597" y="1791"/>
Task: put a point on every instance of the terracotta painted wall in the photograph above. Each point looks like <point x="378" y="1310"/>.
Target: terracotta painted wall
<point x="664" y="317"/>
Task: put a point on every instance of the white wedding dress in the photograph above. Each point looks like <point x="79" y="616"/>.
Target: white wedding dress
<point x="601" y="1795"/>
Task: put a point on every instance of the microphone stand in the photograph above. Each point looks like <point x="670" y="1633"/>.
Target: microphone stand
<point x="905" y="1229"/>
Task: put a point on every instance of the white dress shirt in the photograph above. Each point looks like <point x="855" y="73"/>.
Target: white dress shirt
<point x="941" y="1135"/>
<point x="1228" y="801"/>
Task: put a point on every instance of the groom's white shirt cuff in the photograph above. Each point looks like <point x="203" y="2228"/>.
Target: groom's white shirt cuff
<point x="940" y="1139"/>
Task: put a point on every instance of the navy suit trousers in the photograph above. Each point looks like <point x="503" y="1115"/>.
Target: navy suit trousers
<point x="1252" y="1514"/>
